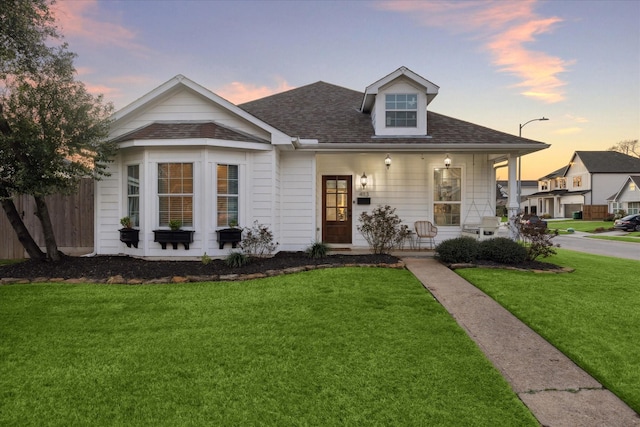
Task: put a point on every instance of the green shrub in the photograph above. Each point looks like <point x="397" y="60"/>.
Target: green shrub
<point x="317" y="250"/>
<point x="206" y="259"/>
<point x="502" y="250"/>
<point x="236" y="259"/>
<point x="458" y="250"/>
<point x="382" y="229"/>
<point x="537" y="240"/>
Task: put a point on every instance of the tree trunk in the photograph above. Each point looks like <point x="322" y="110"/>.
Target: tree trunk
<point x="21" y="230"/>
<point x="42" y="211"/>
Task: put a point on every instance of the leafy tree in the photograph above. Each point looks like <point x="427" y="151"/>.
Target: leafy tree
<point x="25" y="25"/>
<point x="52" y="131"/>
<point x="629" y="147"/>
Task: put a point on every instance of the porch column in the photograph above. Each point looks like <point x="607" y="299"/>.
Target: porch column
<point x="513" y="205"/>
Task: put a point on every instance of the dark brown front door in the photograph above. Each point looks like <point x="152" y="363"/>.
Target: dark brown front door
<point x="336" y="209"/>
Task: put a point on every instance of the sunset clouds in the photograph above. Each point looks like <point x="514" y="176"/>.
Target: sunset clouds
<point x="507" y="30"/>
<point x="80" y="20"/>
<point x="238" y="92"/>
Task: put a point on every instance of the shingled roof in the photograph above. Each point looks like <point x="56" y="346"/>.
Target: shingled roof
<point x="609" y="162"/>
<point x="187" y="130"/>
<point x="331" y="114"/>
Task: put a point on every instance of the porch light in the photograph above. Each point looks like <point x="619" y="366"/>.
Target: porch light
<point x="363" y="180"/>
<point x="447" y="161"/>
<point x="387" y="161"/>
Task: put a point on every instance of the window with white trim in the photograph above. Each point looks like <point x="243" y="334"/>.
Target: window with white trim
<point x="133" y="194"/>
<point x="175" y="193"/>
<point x="577" y="181"/>
<point x="447" y="196"/>
<point x="227" y="202"/>
<point x="401" y="110"/>
<point x="633" y="208"/>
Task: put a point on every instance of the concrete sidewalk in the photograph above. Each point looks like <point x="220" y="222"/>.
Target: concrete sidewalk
<point x="557" y="391"/>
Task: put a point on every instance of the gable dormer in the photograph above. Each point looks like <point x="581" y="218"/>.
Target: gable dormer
<point x="398" y="103"/>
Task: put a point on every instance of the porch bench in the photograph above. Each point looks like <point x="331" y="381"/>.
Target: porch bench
<point x="487" y="229"/>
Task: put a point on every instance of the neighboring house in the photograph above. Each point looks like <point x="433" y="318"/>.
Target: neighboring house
<point x="627" y="199"/>
<point x="527" y="187"/>
<point x="587" y="181"/>
<point x="296" y="162"/>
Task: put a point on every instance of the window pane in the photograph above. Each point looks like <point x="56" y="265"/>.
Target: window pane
<point x="187" y="185"/>
<point x="331" y="214"/>
<point x="175" y="179"/>
<point x="133" y="179"/>
<point x="227" y="187"/>
<point x="446" y="214"/>
<point x="233" y="172"/>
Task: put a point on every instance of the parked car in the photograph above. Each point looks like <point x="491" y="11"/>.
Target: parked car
<point x="628" y="223"/>
<point x="533" y="221"/>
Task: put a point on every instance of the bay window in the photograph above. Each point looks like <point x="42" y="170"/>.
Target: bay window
<point x="227" y="200"/>
<point x="175" y="193"/>
<point x="133" y="194"/>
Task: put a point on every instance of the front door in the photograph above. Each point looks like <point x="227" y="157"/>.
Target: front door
<point x="336" y="209"/>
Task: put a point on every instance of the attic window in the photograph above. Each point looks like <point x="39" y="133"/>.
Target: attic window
<point x="401" y="110"/>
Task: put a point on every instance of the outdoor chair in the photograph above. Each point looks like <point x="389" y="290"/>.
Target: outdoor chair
<point x="487" y="229"/>
<point x="425" y="230"/>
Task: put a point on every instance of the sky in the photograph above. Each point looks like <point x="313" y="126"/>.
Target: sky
<point x="498" y="63"/>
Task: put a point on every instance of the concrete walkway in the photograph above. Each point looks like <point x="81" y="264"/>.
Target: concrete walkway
<point x="557" y="391"/>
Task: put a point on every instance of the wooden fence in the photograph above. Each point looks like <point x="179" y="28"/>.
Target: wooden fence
<point x="595" y="212"/>
<point x="72" y="218"/>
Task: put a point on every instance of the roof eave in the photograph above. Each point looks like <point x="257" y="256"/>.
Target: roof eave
<point x="518" y="149"/>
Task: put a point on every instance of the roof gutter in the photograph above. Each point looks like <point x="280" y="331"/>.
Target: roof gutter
<point x="413" y="147"/>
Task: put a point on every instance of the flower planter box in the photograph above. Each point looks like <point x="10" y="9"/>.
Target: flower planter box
<point x="174" y="237"/>
<point x="130" y="236"/>
<point x="229" y="235"/>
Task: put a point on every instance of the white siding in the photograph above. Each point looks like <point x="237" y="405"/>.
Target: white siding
<point x="185" y="104"/>
<point x="108" y="211"/>
<point x="298" y="196"/>
<point x="605" y="185"/>
<point x="407" y="186"/>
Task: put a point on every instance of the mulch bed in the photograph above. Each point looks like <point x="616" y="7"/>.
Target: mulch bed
<point x="123" y="269"/>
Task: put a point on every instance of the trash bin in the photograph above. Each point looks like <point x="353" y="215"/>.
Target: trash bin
<point x="577" y="215"/>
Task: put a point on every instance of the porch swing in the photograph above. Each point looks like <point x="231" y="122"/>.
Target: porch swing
<point x="489" y="224"/>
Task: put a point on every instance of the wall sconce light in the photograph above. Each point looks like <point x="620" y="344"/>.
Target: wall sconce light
<point x="447" y="161"/>
<point x="387" y="161"/>
<point x="363" y="180"/>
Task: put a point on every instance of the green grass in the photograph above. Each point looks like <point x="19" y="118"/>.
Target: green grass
<point x="579" y="225"/>
<point x="349" y="346"/>
<point x="591" y="315"/>
<point x="633" y="237"/>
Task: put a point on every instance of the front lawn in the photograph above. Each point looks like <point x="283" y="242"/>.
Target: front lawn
<point x="344" y="346"/>
<point x="579" y="225"/>
<point x="591" y="315"/>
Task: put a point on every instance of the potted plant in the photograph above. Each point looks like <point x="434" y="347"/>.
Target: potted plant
<point x="129" y="235"/>
<point x="232" y="235"/>
<point x="174" y="235"/>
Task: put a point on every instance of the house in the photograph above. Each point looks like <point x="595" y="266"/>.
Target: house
<point x="527" y="187"/>
<point x="305" y="163"/>
<point x="627" y="198"/>
<point x="586" y="183"/>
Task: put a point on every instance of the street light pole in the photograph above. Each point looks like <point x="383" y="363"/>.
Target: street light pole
<point x="541" y="119"/>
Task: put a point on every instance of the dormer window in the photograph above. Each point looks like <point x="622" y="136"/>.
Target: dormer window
<point x="401" y="110"/>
